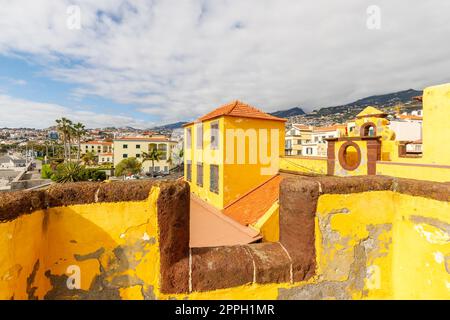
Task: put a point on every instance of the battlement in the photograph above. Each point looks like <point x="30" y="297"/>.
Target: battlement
<point x="355" y="237"/>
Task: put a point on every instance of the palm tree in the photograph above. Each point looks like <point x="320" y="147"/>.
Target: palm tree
<point x="89" y="158"/>
<point x="128" y="166"/>
<point x="153" y="155"/>
<point x="63" y="126"/>
<point x="80" y="131"/>
<point x="46" y="143"/>
<point x="70" y="136"/>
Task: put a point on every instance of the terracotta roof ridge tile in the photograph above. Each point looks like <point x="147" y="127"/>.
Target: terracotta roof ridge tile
<point x="236" y="103"/>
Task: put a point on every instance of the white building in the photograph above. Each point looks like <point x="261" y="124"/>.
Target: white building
<point x="8" y="162"/>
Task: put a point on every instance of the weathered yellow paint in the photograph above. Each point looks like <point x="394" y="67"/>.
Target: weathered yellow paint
<point x="82" y="236"/>
<point x="269" y="224"/>
<point x="131" y="293"/>
<point x="423" y="253"/>
<point x="399" y="244"/>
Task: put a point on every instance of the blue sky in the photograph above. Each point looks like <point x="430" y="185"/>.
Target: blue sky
<point x="20" y="77"/>
<point x="144" y="63"/>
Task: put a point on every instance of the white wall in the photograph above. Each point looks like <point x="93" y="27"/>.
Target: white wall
<point x="406" y="130"/>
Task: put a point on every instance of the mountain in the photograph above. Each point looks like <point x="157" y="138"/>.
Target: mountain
<point x="347" y="112"/>
<point x="384" y="100"/>
<point x="288" y="113"/>
<point x="170" y="126"/>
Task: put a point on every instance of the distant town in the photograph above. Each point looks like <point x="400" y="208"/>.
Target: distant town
<point x="67" y="151"/>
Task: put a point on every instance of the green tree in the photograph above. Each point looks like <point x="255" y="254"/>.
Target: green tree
<point x="79" y="131"/>
<point x="153" y="155"/>
<point x="180" y="156"/>
<point x="128" y="166"/>
<point x="63" y="126"/>
<point x="89" y="158"/>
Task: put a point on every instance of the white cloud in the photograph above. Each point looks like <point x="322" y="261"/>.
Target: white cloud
<point x="23" y="113"/>
<point x="179" y="59"/>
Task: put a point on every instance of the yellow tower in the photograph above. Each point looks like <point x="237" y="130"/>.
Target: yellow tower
<point x="230" y="151"/>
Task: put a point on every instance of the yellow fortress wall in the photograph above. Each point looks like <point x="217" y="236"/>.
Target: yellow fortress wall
<point x="434" y="164"/>
<point x="373" y="237"/>
<point x="306" y="165"/>
<point x="109" y="249"/>
<point x="401" y="240"/>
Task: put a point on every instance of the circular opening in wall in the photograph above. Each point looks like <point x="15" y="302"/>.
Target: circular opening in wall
<point x="349" y="156"/>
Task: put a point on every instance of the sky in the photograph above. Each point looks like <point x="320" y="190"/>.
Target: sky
<point x="146" y="63"/>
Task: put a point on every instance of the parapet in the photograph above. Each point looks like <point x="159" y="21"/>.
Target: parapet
<point x="340" y="238"/>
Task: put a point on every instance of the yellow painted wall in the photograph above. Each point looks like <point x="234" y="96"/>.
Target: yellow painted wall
<point x="403" y="243"/>
<point x="421" y="248"/>
<point x="269" y="224"/>
<point x="413" y="172"/>
<point x="436" y="115"/>
<point x="122" y="237"/>
<point x="304" y="165"/>
<point x="235" y="179"/>
<point x="369" y="245"/>
<point x="207" y="156"/>
<point x="241" y="178"/>
<point x="362" y="168"/>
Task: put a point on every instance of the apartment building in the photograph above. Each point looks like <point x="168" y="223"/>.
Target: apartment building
<point x="106" y="157"/>
<point x="302" y="140"/>
<point x="128" y="147"/>
<point x="297" y="135"/>
<point x="96" y="147"/>
<point x="319" y="145"/>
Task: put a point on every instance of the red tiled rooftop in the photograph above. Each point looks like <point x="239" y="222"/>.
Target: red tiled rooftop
<point x="410" y="117"/>
<point x="103" y="143"/>
<point x="238" y="109"/>
<point x="330" y="128"/>
<point x="254" y="204"/>
<point x="302" y="127"/>
<point x="210" y="228"/>
<point x="151" y="139"/>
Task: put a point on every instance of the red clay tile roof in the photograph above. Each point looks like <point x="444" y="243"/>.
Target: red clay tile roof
<point x="211" y="228"/>
<point x="254" y="204"/>
<point x="237" y="109"/>
<point x="330" y="128"/>
<point x="150" y="139"/>
<point x="410" y="117"/>
<point x="302" y="127"/>
<point x="103" y="143"/>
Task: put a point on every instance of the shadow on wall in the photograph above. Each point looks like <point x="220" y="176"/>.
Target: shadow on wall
<point x="94" y="241"/>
